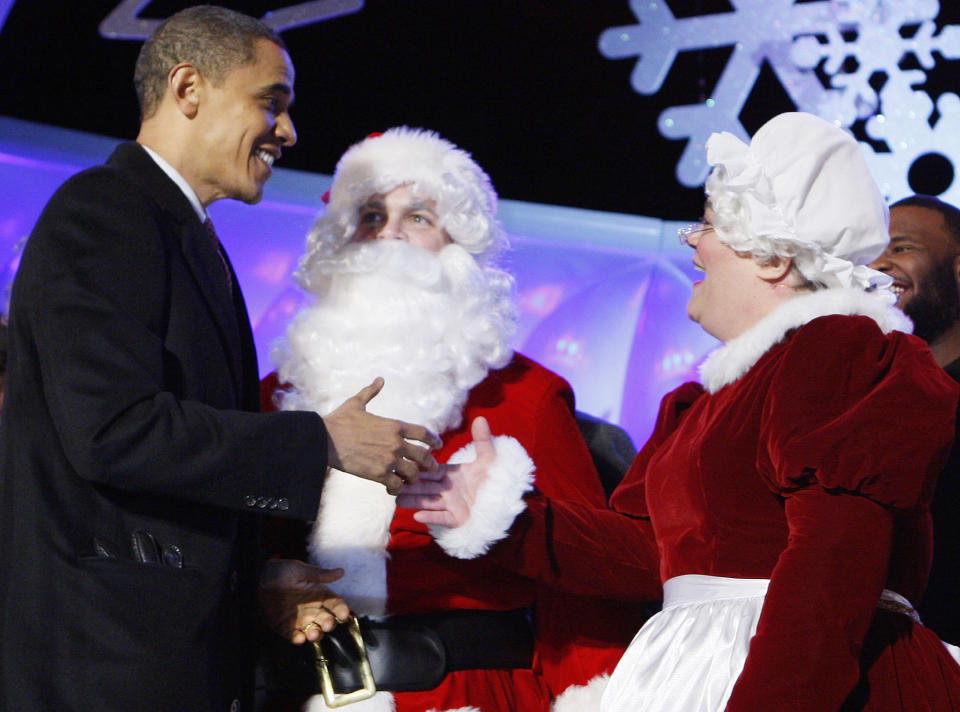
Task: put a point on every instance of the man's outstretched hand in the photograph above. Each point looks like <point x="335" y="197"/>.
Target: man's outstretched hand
<point x="446" y="497"/>
<point x="296" y="601"/>
<point x="378" y="448"/>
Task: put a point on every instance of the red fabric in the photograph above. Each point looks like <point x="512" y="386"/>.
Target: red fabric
<point x="815" y="469"/>
<point x="853" y="449"/>
<point x="606" y="553"/>
<point x="798" y="472"/>
<point x="574" y="640"/>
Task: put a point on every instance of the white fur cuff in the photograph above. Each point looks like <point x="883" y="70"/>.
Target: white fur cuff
<point x="380" y="702"/>
<point x="499" y="500"/>
<point x="581" y="698"/>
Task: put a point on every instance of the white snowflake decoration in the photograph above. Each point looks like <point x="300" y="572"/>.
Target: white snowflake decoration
<point x="124" y="23"/>
<point x="787" y="35"/>
<point x="909" y="135"/>
<point x="876" y="47"/>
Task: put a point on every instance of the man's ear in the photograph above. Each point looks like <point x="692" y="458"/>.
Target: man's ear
<point x="184" y="83"/>
<point x="776" y="271"/>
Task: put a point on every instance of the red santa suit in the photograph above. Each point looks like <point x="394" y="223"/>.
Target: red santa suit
<point x="436" y="324"/>
<point x="802" y="474"/>
<point x="535" y="407"/>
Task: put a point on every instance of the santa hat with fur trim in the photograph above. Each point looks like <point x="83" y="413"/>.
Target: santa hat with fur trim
<point x="434" y="167"/>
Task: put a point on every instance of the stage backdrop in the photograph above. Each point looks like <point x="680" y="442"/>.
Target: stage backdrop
<point x="602" y="295"/>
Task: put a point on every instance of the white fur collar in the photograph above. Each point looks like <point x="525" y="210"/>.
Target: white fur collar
<point x="729" y="362"/>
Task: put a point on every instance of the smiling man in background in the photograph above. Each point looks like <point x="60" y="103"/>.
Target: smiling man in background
<point x="923" y="258"/>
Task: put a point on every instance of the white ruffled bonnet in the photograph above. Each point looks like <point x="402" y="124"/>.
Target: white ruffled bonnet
<point x="801" y="189"/>
<point x="466" y="201"/>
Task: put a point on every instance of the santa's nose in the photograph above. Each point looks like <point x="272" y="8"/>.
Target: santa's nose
<point x="391" y="231"/>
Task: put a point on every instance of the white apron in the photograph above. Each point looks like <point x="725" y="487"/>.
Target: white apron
<point x="688" y="657"/>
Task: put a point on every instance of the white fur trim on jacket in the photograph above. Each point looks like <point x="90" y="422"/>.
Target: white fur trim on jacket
<point x="729" y="362"/>
<point x="352" y="531"/>
<point x="581" y="698"/>
<point x="380" y="702"/>
<point x="499" y="500"/>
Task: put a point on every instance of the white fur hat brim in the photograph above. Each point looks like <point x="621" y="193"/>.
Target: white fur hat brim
<point x="466" y="203"/>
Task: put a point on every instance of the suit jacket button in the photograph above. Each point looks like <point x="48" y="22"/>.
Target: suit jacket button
<point x="262" y="503"/>
<point x="272" y="504"/>
<point x="250" y="501"/>
<point x="235" y="706"/>
<point x="283" y="503"/>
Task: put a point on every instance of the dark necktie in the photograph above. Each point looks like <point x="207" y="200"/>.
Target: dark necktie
<point x="223" y="260"/>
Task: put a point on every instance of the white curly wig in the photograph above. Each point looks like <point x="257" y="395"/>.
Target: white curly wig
<point x="432" y="166"/>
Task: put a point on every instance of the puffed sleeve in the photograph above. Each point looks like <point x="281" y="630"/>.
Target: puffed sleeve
<point x="856" y="425"/>
<point x="854" y="410"/>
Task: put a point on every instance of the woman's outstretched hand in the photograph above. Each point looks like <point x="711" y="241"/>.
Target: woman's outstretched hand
<point x="446" y="497"/>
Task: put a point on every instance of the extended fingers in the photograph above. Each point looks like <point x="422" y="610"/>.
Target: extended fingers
<point x="394" y="484"/>
<point x="482" y="439"/>
<point x="443" y="518"/>
<point x="420" y="457"/>
<point x="367" y="394"/>
<point x="407" y="470"/>
<point x="426" y="487"/>
<point x="318" y="617"/>
<point x="338" y="608"/>
<point x="420" y="501"/>
<point x="421" y="434"/>
<point x="409" y="462"/>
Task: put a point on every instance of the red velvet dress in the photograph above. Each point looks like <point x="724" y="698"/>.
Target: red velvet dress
<point x="815" y="470"/>
<point x="533" y="405"/>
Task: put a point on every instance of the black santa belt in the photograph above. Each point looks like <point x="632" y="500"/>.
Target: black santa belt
<point x="412" y="652"/>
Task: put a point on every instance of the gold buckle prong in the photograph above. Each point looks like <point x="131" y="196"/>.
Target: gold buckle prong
<point x="331" y="696"/>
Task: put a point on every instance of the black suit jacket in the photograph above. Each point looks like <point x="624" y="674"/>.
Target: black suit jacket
<point x="131" y="380"/>
<point x="940" y="606"/>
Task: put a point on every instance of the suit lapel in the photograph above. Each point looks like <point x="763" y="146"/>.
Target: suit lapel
<point x="199" y="253"/>
<point x="249" y="371"/>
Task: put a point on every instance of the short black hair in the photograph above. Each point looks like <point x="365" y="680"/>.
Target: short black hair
<point x="214" y="39"/>
<point x="949" y="213"/>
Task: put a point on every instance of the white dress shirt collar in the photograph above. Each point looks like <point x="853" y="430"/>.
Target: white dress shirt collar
<point x="175" y="176"/>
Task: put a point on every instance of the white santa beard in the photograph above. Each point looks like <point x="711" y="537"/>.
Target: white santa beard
<point x="432" y="325"/>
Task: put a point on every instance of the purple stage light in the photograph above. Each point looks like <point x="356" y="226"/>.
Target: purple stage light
<point x="602" y="296"/>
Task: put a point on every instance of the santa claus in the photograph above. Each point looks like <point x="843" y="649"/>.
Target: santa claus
<point x="401" y="265"/>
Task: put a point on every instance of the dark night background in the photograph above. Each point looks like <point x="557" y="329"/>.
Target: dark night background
<point x="519" y="83"/>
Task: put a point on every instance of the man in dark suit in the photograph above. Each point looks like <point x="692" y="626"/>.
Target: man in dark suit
<point x="923" y="258"/>
<point x="132" y="458"/>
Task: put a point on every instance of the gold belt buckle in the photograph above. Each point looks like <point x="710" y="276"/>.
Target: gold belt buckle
<point x="331" y="696"/>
